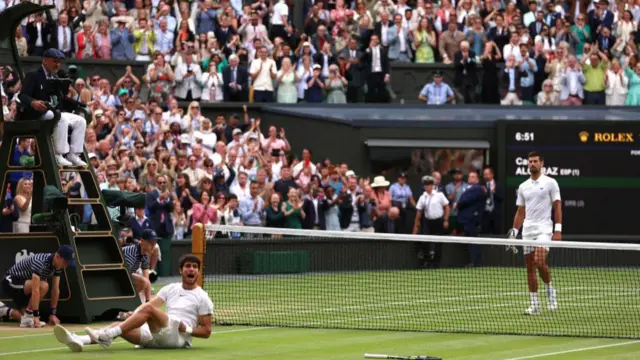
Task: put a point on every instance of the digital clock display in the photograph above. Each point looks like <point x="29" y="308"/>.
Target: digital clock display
<point x="596" y="164"/>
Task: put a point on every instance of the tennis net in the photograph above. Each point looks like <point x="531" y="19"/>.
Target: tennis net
<point x="322" y="279"/>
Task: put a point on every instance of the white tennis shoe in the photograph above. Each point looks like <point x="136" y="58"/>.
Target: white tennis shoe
<point x="67" y="338"/>
<point x="99" y="337"/>
<point x="553" y="300"/>
<point x="532" y="310"/>
<point x="26" y="321"/>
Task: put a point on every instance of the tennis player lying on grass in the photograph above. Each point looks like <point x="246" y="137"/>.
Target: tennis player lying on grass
<point x="189" y="313"/>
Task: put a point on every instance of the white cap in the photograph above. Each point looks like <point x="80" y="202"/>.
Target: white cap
<point x="350" y="173"/>
<point x="92" y="155"/>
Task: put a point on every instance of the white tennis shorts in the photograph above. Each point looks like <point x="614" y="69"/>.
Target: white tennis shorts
<point x="168" y="337"/>
<point x="535" y="237"/>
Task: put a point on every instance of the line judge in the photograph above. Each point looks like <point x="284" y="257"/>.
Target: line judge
<point x="34" y="97"/>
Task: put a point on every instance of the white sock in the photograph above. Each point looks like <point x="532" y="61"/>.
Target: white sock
<point x="85" y="339"/>
<point x="113" y="332"/>
<point x="549" y="288"/>
<point x="534" y="299"/>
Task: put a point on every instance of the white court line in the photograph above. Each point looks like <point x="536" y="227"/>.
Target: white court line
<point x="575" y="350"/>
<point x="117" y="342"/>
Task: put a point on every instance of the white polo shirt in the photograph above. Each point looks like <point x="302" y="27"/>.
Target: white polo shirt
<point x="263" y="81"/>
<point x="537" y="197"/>
<point x="432" y="206"/>
<point x="279" y="9"/>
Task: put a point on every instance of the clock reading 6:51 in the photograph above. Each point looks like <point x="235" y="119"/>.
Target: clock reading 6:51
<point x="525" y="136"/>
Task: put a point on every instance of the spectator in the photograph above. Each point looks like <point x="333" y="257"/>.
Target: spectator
<point x="633" y="96"/>
<point x="286" y="79"/>
<point x="23" y="201"/>
<point x="189" y="78"/>
<point x="353" y="71"/>
<point x="203" y="212"/>
<point x="314" y="207"/>
<point x="315" y="86"/>
<point x="366" y="207"/>
<point x="122" y="40"/>
<point x="377" y="64"/>
<point x="594" y="73"/>
<point x="548" y="97"/>
<point x="617" y="83"/>
<point x="212" y="85"/>
<point x="573" y="81"/>
<point x="335" y="85"/>
<point x="437" y="92"/>
<point x="263" y="71"/>
<point x="528" y="67"/>
<point x="389" y="223"/>
<point x="144" y="40"/>
<point x="38" y="33"/>
<point x="510" y="84"/>
<point x="160" y="206"/>
<point x="466" y="78"/>
<point x="450" y="41"/>
<point x="292" y="210"/>
<point x="274" y="215"/>
<point x="381" y="194"/>
<point x="138" y="223"/>
<point x="235" y="81"/>
<point x="489" y="59"/>
<point x="21" y="43"/>
<point x="331" y="212"/>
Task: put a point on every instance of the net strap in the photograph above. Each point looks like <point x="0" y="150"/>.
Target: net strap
<point x="422" y="238"/>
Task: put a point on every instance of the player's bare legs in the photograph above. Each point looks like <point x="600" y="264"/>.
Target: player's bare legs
<point x="532" y="280"/>
<point x="77" y="342"/>
<point x="540" y="261"/>
<point x="148" y="314"/>
<point x="27" y="319"/>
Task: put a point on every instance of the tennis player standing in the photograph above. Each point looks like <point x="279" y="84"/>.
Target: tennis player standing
<point x="536" y="198"/>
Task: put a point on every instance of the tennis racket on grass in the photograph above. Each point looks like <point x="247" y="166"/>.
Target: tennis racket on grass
<point x="398" y="357"/>
<point x="512" y="234"/>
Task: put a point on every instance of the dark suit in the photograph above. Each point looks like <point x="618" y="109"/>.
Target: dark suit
<point x="606" y="44"/>
<point x="598" y="21"/>
<point x="223" y="36"/>
<point x="32" y="36"/>
<point x="535" y="28"/>
<point x="466" y="77"/>
<point x="354" y="76"/>
<point x="159" y="210"/>
<point x="309" y="209"/>
<point x="242" y="79"/>
<point x="34" y="87"/>
<point x="386" y="226"/>
<point x="492" y="215"/>
<point x="500" y="38"/>
<point x="376" y="87"/>
<point x="56" y="43"/>
<point x="137" y="228"/>
<point x="470" y="208"/>
<point x="318" y="58"/>
<point x="504" y="82"/>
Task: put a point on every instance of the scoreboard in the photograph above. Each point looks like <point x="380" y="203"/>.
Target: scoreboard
<point x="596" y="164"/>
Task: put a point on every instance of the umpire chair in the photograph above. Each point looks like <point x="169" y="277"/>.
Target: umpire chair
<point x="100" y="285"/>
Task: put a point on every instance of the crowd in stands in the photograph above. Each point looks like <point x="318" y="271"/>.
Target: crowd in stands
<point x="548" y="52"/>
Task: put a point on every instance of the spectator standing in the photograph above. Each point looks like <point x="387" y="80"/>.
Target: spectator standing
<point x="436" y="92"/>
<point x="62" y="36"/>
<point x="103" y="41"/>
<point x="23" y="200"/>
<point x="279" y="20"/>
<point x="251" y="207"/>
<point x="424" y="39"/>
<point x="235" y="81"/>
<point x="314" y="208"/>
<point x="528" y="68"/>
<point x="470" y="208"/>
<point x="633" y="96"/>
<point x="292" y="210"/>
<point x="286" y="79"/>
<point x="203" y="211"/>
<point x="144" y="40"/>
<point x="400" y="40"/>
<point x="160" y="207"/>
<point x="189" y="78"/>
<point x="594" y="73"/>
<point x="315" y="86"/>
<point x="331" y="213"/>
<point x="510" y="83"/>
<point x="335" y="86"/>
<point x="450" y="41"/>
<point x="389" y="223"/>
<point x="367" y="209"/>
<point x="466" y="78"/>
<point x="377" y="62"/>
<point x="274" y="215"/>
<point x="491" y="218"/>
<point x="381" y="194"/>
<point x="453" y="192"/>
<point x="573" y="81"/>
<point x="121" y="42"/>
<point x="582" y="31"/>
<point x="489" y="59"/>
<point x="617" y="84"/>
<point x="38" y="33"/>
<point x="212" y="85"/>
<point x="263" y="71"/>
<point x="353" y="71"/>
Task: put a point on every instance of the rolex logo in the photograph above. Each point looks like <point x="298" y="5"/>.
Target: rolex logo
<point x="584" y="136"/>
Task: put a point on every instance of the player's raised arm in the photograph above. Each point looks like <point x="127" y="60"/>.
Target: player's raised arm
<point x="557" y="211"/>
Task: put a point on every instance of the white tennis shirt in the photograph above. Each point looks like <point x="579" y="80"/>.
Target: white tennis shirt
<point x="186" y="305"/>
<point x="537" y="196"/>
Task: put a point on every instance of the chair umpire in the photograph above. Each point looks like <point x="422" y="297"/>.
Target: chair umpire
<point x="37" y="98"/>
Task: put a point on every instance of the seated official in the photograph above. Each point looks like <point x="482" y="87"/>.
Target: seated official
<point x="34" y="97"/>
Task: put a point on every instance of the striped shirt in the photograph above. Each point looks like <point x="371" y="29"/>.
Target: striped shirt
<point x="134" y="258"/>
<point x="40" y="264"/>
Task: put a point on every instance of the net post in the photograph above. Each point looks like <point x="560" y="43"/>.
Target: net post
<point x="198" y="248"/>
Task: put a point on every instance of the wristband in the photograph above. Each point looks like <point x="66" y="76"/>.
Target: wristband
<point x="30" y="312"/>
<point x="188" y="330"/>
<point x="36" y="313"/>
<point x="557" y="228"/>
<point x="54" y="311"/>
